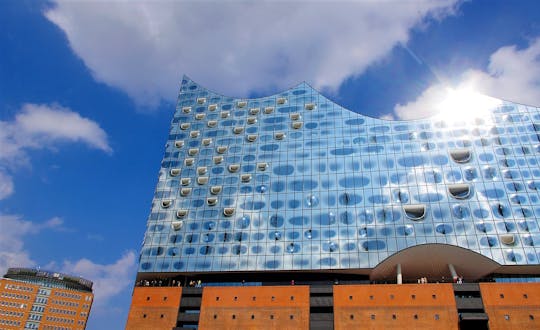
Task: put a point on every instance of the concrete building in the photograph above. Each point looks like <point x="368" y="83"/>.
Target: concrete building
<point x="291" y="211"/>
<point x="36" y="299"/>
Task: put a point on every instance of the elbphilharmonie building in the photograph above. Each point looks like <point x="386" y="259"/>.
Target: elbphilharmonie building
<point x="292" y="192"/>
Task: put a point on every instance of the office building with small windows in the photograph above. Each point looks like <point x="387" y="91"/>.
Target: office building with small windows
<point x="37" y="299"/>
<point x="292" y="211"/>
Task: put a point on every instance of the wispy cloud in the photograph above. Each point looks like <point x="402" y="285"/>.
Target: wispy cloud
<point x="512" y="74"/>
<point x="6" y="185"/>
<point x="40" y="126"/>
<point x="14" y="231"/>
<point x="109" y="279"/>
<point x="258" y="45"/>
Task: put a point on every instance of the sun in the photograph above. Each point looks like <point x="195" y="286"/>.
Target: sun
<point x="465" y="104"/>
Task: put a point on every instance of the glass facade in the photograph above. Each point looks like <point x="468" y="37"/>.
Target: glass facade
<point x="296" y="182"/>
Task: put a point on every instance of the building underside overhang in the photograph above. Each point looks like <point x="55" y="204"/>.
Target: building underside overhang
<point x="432" y="261"/>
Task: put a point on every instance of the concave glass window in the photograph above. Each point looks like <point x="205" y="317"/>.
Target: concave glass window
<point x="508" y="239"/>
<point x="415" y="212"/>
<point x="228" y="211"/>
<point x="177" y="225"/>
<point x="214" y="190"/>
<point x="459" y="191"/>
<point x="460" y="155"/>
<point x="181" y="213"/>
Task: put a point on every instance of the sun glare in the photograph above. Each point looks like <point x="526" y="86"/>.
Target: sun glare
<point x="465" y="104"/>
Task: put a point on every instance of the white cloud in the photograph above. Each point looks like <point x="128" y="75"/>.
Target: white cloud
<point x="109" y="280"/>
<point x="38" y="126"/>
<point x="14" y="231"/>
<point x="144" y="47"/>
<point x="512" y="74"/>
<point x="6" y="185"/>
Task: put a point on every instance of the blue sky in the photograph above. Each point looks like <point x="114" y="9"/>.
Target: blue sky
<point x="87" y="92"/>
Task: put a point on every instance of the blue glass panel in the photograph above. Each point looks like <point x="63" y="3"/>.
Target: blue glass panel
<point x="428" y="197"/>
<point x="157" y="216"/>
<point x="275" y="120"/>
<point x="284" y="170"/>
<point x="276" y="221"/>
<point x="330" y="200"/>
<point x="386" y="231"/>
<point x="272" y="264"/>
<point x="401" y="127"/>
<point x="243" y="222"/>
<point x="373" y="149"/>
<point x="293" y="204"/>
<point x="261" y="189"/>
<point x="244" y="189"/>
<point x="485" y="157"/>
<point x="274" y="128"/>
<point x="354" y="182"/>
<point x="439" y="160"/>
<point x="380" y="129"/>
<point x="379" y="199"/>
<point x="206" y="250"/>
<point x="257" y="236"/>
<point x="346" y="218"/>
<point x="329" y="233"/>
<point x="229" y="190"/>
<point x="325" y="219"/>
<point x="239" y="249"/>
<point x="197" y="203"/>
<point x="270" y="147"/>
<point x="278" y="186"/>
<point x="412" y="161"/>
<point x="349" y="199"/>
<point x="440" y="212"/>
<point x="443" y="229"/>
<point x="501" y="211"/>
<point x="388" y="215"/>
<point x="366" y="216"/>
<point x="357" y="121"/>
<point x="342" y="151"/>
<point x="328" y="262"/>
<point x="405" y="230"/>
<point x="178" y="265"/>
<point x="303" y="185"/>
<point x="277" y="204"/>
<point x="359" y="140"/>
<point x="492" y="193"/>
<point x="373" y="245"/>
<point x="290" y="109"/>
<point x="488" y="241"/>
<point x="299" y="221"/>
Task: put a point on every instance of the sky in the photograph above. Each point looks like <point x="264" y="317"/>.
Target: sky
<point x="88" y="88"/>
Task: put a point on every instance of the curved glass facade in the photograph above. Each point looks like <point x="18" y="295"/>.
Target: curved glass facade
<point x="296" y="182"/>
